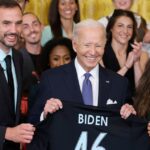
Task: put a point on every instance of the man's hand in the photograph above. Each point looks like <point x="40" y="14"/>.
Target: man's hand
<point x="22" y="133"/>
<point x="126" y="111"/>
<point x="52" y="105"/>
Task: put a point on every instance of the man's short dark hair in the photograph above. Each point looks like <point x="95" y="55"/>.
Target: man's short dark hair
<point x="9" y="4"/>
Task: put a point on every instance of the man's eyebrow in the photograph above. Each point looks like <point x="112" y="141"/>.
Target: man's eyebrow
<point x="20" y="21"/>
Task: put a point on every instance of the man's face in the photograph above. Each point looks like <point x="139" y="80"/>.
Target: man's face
<point x="89" y="47"/>
<point x="32" y="29"/>
<point x="10" y="27"/>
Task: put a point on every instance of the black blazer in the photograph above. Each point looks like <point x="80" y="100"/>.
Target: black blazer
<point x="7" y="117"/>
<point x="28" y="67"/>
<point x="62" y="83"/>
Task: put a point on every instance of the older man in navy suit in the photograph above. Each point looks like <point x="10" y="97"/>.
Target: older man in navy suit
<point x="109" y="90"/>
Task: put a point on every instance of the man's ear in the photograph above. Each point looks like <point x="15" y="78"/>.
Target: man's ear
<point x="74" y="45"/>
<point x="42" y="26"/>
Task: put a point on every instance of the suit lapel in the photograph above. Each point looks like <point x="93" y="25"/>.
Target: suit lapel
<point x="104" y="87"/>
<point x="5" y="90"/>
<point x="73" y="83"/>
<point x="73" y="87"/>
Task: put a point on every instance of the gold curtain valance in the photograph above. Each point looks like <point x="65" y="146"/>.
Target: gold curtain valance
<point x="89" y="8"/>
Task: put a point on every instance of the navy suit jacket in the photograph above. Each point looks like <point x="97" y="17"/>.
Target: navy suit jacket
<point x="7" y="117"/>
<point x="62" y="83"/>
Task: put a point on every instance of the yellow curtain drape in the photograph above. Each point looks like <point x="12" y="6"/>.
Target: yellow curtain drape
<point x="89" y="8"/>
<point x="143" y="8"/>
<point x="40" y="8"/>
<point x="95" y="8"/>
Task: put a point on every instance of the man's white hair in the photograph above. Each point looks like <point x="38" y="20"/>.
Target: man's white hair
<point x="88" y="23"/>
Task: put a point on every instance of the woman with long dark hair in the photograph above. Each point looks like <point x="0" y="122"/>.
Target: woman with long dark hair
<point x="63" y="14"/>
<point x="122" y="53"/>
<point x="142" y="96"/>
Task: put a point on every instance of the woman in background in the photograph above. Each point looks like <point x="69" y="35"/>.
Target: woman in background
<point x="57" y="52"/>
<point x="63" y="14"/>
<point x="118" y="4"/>
<point x="122" y="53"/>
<point x="142" y="96"/>
<point x="125" y="5"/>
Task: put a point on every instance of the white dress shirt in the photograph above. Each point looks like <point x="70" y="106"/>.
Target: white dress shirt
<point x="94" y="78"/>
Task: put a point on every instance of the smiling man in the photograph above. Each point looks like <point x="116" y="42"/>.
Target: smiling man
<point x="11" y="133"/>
<point x="83" y="81"/>
<point x="31" y="52"/>
<point x="10" y="27"/>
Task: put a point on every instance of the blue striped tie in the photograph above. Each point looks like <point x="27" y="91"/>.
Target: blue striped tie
<point x="87" y="90"/>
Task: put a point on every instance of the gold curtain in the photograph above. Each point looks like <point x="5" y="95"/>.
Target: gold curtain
<point x="89" y="8"/>
<point x="95" y="8"/>
<point x="143" y="8"/>
<point x="40" y="8"/>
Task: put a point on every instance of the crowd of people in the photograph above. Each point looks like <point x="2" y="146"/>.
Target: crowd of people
<point x="49" y="64"/>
